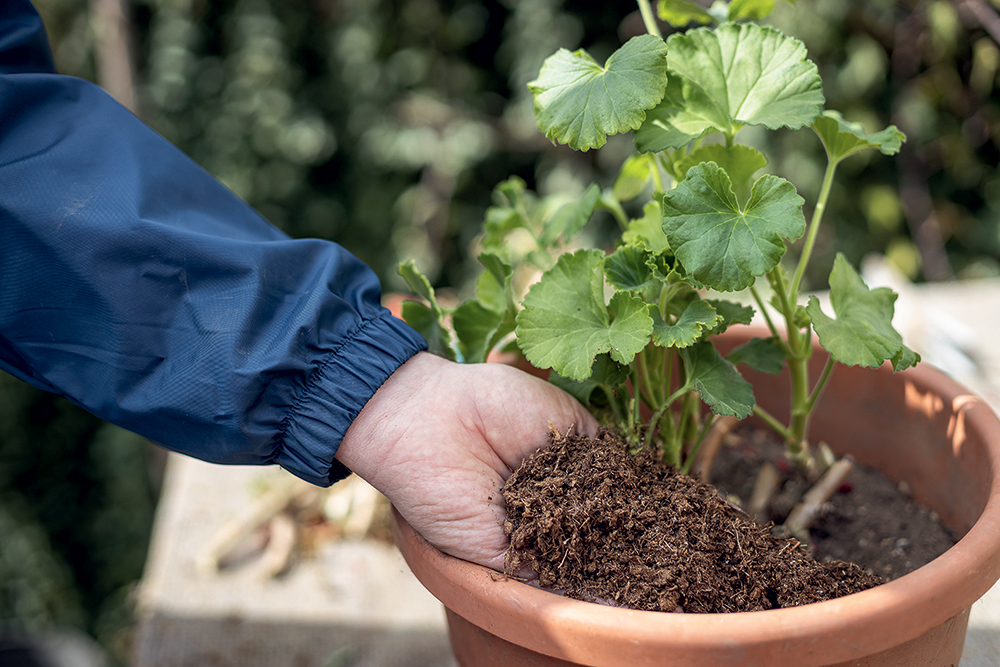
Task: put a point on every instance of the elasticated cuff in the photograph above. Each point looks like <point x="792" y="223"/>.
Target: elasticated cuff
<point x="326" y="409"/>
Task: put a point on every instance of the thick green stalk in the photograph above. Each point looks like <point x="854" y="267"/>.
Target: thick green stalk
<point x="800" y="342"/>
<point x="798" y="448"/>
<point x="798" y="351"/>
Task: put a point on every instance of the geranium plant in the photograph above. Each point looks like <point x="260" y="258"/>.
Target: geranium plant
<point x="628" y="330"/>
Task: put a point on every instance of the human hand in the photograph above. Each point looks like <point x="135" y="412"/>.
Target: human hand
<point x="439" y="439"/>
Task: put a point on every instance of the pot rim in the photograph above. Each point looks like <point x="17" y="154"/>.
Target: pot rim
<point x="833" y="630"/>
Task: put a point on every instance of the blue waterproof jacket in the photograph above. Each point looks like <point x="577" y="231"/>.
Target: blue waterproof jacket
<point x="137" y="286"/>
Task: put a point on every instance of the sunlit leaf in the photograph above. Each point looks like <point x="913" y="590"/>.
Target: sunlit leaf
<point x="748" y="74"/>
<point x="739" y="161"/>
<point x="427" y="323"/>
<point x="684" y="114"/>
<point x="721" y="243"/>
<point x="680" y="13"/>
<point x="753" y="10"/>
<point x="507" y="213"/>
<point x="634" y="176"/>
<point x="493" y="285"/>
<point x="481" y="324"/>
<point x="862" y="333"/>
<point x="427" y="320"/>
<point x="474" y="326"/>
<point x="564" y="324"/>
<point x="648" y="230"/>
<point x="418" y="283"/>
<point x="608" y="202"/>
<point x="567" y="221"/>
<point x="842" y="138"/>
<point x="579" y="103"/>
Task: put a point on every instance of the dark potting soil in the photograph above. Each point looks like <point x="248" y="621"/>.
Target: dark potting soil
<point x="596" y="523"/>
<point x="872" y="521"/>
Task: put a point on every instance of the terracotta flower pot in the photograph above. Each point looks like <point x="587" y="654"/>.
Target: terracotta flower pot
<point x="918" y="426"/>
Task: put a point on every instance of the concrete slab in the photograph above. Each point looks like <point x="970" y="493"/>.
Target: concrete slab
<point x="353" y="603"/>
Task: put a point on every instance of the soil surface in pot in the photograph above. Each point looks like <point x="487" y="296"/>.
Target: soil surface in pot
<point x="596" y="523"/>
<point x="871" y="521"/>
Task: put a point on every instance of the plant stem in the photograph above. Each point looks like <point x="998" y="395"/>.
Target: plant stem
<point x="770" y="322"/>
<point x="634" y="415"/>
<point x="771" y="421"/>
<point x="686" y="469"/>
<point x="612" y="401"/>
<point x="814" y="223"/>
<point x="799" y="349"/>
<point x="648" y="19"/>
<point x="798" y="448"/>
<point x="818" y="389"/>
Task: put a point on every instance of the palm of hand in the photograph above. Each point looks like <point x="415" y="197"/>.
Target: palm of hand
<point x="439" y="439"/>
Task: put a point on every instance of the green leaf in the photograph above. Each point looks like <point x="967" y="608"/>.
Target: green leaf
<point x="628" y="269"/>
<point x="493" y="285"/>
<point x="418" y="283"/>
<point x="684" y="114"/>
<point x="579" y="103"/>
<point x="648" y="230"/>
<point x="606" y="372"/>
<point x="718" y="382"/>
<point x="634" y="176"/>
<point x="753" y="10"/>
<point x="608" y="202"/>
<point x="478" y="329"/>
<point x="732" y="313"/>
<point x="761" y="354"/>
<point x="508" y="193"/>
<point x="680" y="13"/>
<point x="722" y="244"/>
<point x="862" y="333"/>
<point x="747" y="73"/>
<point x="426" y="322"/>
<point x="739" y="161"/>
<point x="842" y="138"/>
<point x="567" y="221"/>
<point x="507" y="214"/>
<point x="490" y="293"/>
<point x="564" y="324"/>
<point x="696" y="319"/>
<point x="481" y="324"/>
<point x="631" y="327"/>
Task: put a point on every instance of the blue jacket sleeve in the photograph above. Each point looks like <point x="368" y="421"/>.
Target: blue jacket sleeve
<point x="137" y="286"/>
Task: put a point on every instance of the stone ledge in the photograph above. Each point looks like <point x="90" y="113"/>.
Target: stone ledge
<point x="354" y="602"/>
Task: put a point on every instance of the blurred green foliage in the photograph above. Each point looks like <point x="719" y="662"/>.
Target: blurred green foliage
<point x="930" y="67"/>
<point x="76" y="509"/>
<point x="385" y="124"/>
